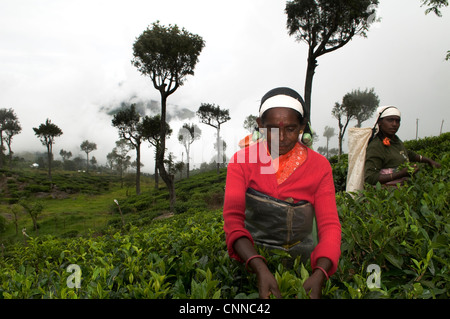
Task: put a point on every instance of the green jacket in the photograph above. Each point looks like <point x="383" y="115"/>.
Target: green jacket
<point x="379" y="156"/>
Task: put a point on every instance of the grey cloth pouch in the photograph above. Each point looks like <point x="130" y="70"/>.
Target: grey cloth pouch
<point x="277" y="224"/>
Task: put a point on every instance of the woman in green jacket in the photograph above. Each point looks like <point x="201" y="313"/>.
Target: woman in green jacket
<point x="386" y="152"/>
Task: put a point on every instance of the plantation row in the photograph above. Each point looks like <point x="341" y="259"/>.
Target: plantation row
<point x="25" y="183"/>
<point x="401" y="233"/>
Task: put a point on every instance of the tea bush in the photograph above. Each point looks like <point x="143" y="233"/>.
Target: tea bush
<point x="403" y="231"/>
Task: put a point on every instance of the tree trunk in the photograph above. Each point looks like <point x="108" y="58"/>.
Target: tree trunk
<point x="9" y="154"/>
<point x="187" y="170"/>
<point x="156" y="171"/>
<point x="1" y="149"/>
<point x="138" y="168"/>
<point x="49" y="160"/>
<point x="312" y="64"/>
<point x="160" y="155"/>
<point x="34" y="219"/>
<point x="188" y="150"/>
<point x="218" y="149"/>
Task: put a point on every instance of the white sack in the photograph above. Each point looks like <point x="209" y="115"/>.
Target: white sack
<point x="358" y="138"/>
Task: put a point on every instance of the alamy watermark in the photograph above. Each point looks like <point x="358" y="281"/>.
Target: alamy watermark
<point x="74" y="280"/>
<point x="374" y="280"/>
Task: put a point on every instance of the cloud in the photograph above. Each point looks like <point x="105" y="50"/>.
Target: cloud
<point x="71" y="62"/>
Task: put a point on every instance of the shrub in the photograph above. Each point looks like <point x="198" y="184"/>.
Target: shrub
<point x="404" y="231"/>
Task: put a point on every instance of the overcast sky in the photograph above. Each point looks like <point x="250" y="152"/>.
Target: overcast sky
<point x="69" y="61"/>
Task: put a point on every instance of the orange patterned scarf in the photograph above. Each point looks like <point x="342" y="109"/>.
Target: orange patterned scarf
<point x="286" y="164"/>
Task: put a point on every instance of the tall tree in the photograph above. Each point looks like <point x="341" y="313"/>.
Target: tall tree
<point x="187" y="135"/>
<point x="9" y="126"/>
<point x="214" y="116"/>
<point x="326" y="26"/>
<point x="34" y="209"/>
<point x="88" y="147"/>
<point x="328" y="133"/>
<point x="119" y="158"/>
<point x="128" y="122"/>
<point x="250" y="123"/>
<point x="151" y="126"/>
<point x="11" y="129"/>
<point x="47" y="132"/>
<point x="167" y="55"/>
<point x="65" y="154"/>
<point x="364" y="103"/>
<point x="357" y="105"/>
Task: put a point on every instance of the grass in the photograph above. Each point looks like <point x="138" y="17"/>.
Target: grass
<point x="89" y="207"/>
<point x="84" y="203"/>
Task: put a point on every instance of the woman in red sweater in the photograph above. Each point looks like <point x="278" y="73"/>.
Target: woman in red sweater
<point x="273" y="189"/>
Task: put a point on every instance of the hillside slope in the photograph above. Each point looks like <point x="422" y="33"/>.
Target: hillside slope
<point x="404" y="232"/>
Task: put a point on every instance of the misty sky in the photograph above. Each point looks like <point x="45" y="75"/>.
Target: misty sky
<point x="69" y="61"/>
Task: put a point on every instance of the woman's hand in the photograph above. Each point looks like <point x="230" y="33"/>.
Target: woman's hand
<point x="267" y="284"/>
<point x="313" y="285"/>
<point x="429" y="161"/>
<point x="433" y="163"/>
<point x="406" y="171"/>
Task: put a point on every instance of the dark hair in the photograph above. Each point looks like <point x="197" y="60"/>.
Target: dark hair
<point x="284" y="91"/>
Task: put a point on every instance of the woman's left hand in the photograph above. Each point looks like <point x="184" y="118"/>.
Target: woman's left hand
<point x="313" y="285"/>
<point x="429" y="161"/>
<point x="434" y="164"/>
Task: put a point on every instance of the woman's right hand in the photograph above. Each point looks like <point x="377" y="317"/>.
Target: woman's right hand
<point x="267" y="284"/>
<point x="405" y="172"/>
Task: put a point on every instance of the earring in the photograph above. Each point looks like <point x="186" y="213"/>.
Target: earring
<point x="257" y="134"/>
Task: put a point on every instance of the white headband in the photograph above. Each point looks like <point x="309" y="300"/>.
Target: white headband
<point x="388" y="111"/>
<point x="281" y="100"/>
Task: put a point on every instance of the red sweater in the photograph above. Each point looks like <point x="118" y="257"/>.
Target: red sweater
<point x="312" y="181"/>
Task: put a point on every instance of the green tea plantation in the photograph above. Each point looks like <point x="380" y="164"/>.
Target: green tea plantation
<point x="395" y="244"/>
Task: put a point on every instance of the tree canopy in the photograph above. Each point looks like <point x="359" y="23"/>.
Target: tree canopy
<point x="357" y="105"/>
<point x="326" y="26"/>
<point x="434" y="6"/>
<point x="167" y="55"/>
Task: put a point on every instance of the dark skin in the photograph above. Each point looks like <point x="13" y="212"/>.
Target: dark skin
<point x="390" y="125"/>
<point x="289" y="126"/>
